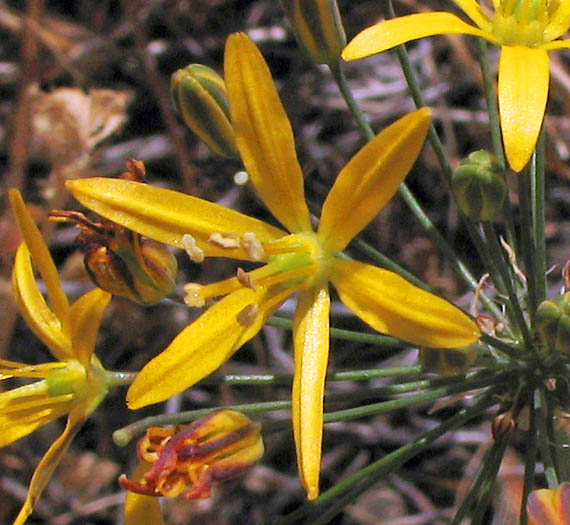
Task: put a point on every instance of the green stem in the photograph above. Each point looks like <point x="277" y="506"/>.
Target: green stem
<point x="340" y="79"/>
<point x="539" y="226"/>
<point x="348" y="335"/>
<point x="530" y="457"/>
<point x="550" y="472"/>
<point x="354" y="485"/>
<point x="527" y="238"/>
<point x="285" y="379"/>
<point x="496" y="251"/>
<point x="501" y="345"/>
<point x="120" y="378"/>
<point x="473" y="381"/>
<point x="492" y="459"/>
<point x="489" y="482"/>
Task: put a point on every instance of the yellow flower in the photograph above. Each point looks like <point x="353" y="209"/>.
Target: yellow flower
<point x="304" y="260"/>
<point x="525" y="29"/>
<point x="73" y="385"/>
<point x="549" y="507"/>
<point x="219" y="446"/>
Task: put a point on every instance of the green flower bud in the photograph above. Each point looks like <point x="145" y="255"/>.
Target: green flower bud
<point x="553" y="323"/>
<point x="318" y="28"/>
<point x="447" y="362"/>
<point x="479" y="186"/>
<point x="199" y="94"/>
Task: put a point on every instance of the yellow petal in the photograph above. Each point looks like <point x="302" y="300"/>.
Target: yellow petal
<point x="311" y="338"/>
<point x="40" y="254"/>
<point x="371" y="178"/>
<point x="166" y="215"/>
<point x="549" y="507"/>
<point x="41" y="320"/>
<point x="83" y="321"/>
<point x="22" y="412"/>
<point x="391" y="33"/>
<point x="263" y="133"/>
<point x="141" y="509"/>
<point x="473" y="9"/>
<point x="557" y="44"/>
<point x="203" y="346"/>
<point x="44" y="470"/>
<point x="522" y="100"/>
<point x="391" y="305"/>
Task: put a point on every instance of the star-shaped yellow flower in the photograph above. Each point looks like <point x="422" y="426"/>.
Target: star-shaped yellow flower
<point x="73" y="385"/>
<point x="303" y="260"/>
<point x="525" y="29"/>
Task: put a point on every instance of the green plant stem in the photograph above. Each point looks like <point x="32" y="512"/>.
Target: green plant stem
<point x="530" y="457"/>
<point x="356" y="484"/>
<point x="496" y="251"/>
<point x="550" y="471"/>
<point x="539" y="226"/>
<point x="455" y="385"/>
<point x="348" y="335"/>
<point x="527" y="238"/>
<point x="285" y="379"/>
<point x="490" y="464"/>
<point x="488" y="483"/>
<point x="120" y="378"/>
<point x="500" y="345"/>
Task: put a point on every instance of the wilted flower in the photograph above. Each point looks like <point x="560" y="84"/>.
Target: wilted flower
<point x="219" y="446"/>
<point x="524" y="29"/>
<point x="119" y="260"/>
<point x="303" y="260"/>
<point x="73" y="385"/>
<point x="549" y="507"/>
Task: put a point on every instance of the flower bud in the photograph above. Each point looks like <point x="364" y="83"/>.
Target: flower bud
<point x="479" y="186"/>
<point x="446" y="362"/>
<point x="553" y="323"/>
<point x="121" y="261"/>
<point x="199" y="94"/>
<point x="217" y="447"/>
<point x="318" y="28"/>
<point x="503" y="425"/>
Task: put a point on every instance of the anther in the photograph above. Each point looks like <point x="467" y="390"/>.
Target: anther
<point x="192" y="295"/>
<point x="225" y="240"/>
<point x="245" y="279"/>
<point x="195" y="253"/>
<point x="247" y="316"/>
<point x="253" y="246"/>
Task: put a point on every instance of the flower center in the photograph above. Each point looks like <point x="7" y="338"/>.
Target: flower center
<point x="524" y="22"/>
<point x="293" y="260"/>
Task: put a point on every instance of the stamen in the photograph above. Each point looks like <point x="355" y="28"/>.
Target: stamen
<point x="47" y="401"/>
<point x="192" y="295"/>
<point x="245" y="279"/>
<point x="195" y="253"/>
<point x="247" y="316"/>
<point x="253" y="246"/>
<point x="225" y="240"/>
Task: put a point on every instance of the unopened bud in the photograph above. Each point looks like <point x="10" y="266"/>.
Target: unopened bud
<point x="553" y="323"/>
<point x="217" y="447"/>
<point x="479" y="186"/>
<point x="447" y="362"/>
<point x="199" y="94"/>
<point x="503" y="424"/>
<point x="318" y="28"/>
